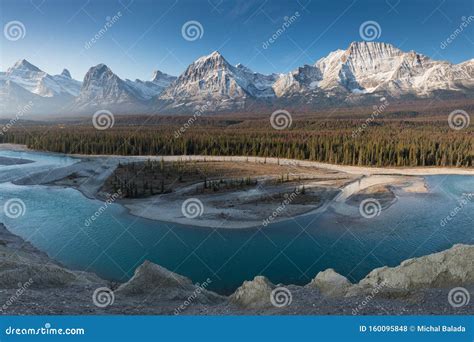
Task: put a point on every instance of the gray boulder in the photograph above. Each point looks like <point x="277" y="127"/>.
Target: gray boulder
<point x="330" y="283"/>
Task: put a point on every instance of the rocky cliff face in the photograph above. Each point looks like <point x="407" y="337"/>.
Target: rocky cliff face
<point x="213" y="83"/>
<point x="31" y="283"/>
<point x="103" y="89"/>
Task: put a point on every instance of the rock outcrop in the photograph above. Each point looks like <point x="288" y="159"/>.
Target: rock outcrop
<point x="452" y="267"/>
<point x="253" y="294"/>
<point x="159" y="283"/>
<point x="20" y="262"/>
<point x="330" y="283"/>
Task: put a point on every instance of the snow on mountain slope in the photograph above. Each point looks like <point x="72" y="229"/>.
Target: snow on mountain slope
<point x="149" y="89"/>
<point x="371" y="67"/>
<point x="359" y="74"/>
<point x="213" y="82"/>
<point x="161" y="79"/>
<point x="39" y="82"/>
<point x="102" y="88"/>
<point x="66" y="82"/>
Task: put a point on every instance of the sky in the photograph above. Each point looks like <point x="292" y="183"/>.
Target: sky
<point x="145" y="35"/>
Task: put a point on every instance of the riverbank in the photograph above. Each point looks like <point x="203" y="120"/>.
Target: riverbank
<point x="33" y="284"/>
<point x="364" y="170"/>
<point x="309" y="188"/>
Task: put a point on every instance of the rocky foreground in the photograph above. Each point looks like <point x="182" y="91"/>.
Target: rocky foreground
<point x="31" y="283"/>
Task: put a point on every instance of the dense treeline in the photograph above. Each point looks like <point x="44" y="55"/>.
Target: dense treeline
<point x="386" y="143"/>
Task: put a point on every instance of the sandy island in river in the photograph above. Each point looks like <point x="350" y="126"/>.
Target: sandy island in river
<point x="308" y="187"/>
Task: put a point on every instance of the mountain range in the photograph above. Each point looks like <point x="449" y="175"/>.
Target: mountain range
<point x="362" y="74"/>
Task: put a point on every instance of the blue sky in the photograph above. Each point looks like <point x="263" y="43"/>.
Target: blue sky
<point x="148" y="34"/>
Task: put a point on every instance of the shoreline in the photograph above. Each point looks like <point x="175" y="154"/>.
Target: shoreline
<point x="156" y="290"/>
<point x="350" y="169"/>
<point x="247" y="208"/>
<point x="365" y="170"/>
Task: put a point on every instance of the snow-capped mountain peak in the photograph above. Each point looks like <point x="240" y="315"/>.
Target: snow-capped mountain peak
<point x="213" y="81"/>
<point x="66" y="73"/>
<point x="23" y="65"/>
<point x="162" y="79"/>
<point x="361" y="73"/>
<point x="101" y="87"/>
<point x="369" y="67"/>
<point x="36" y="81"/>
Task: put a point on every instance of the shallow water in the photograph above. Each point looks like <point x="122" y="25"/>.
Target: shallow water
<point x="293" y="251"/>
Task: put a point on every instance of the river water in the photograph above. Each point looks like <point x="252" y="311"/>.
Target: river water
<point x="292" y="251"/>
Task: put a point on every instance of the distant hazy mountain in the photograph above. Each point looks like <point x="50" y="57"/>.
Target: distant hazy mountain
<point x="102" y="89"/>
<point x="361" y="74"/>
<point x="148" y="89"/>
<point x="24" y="84"/>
